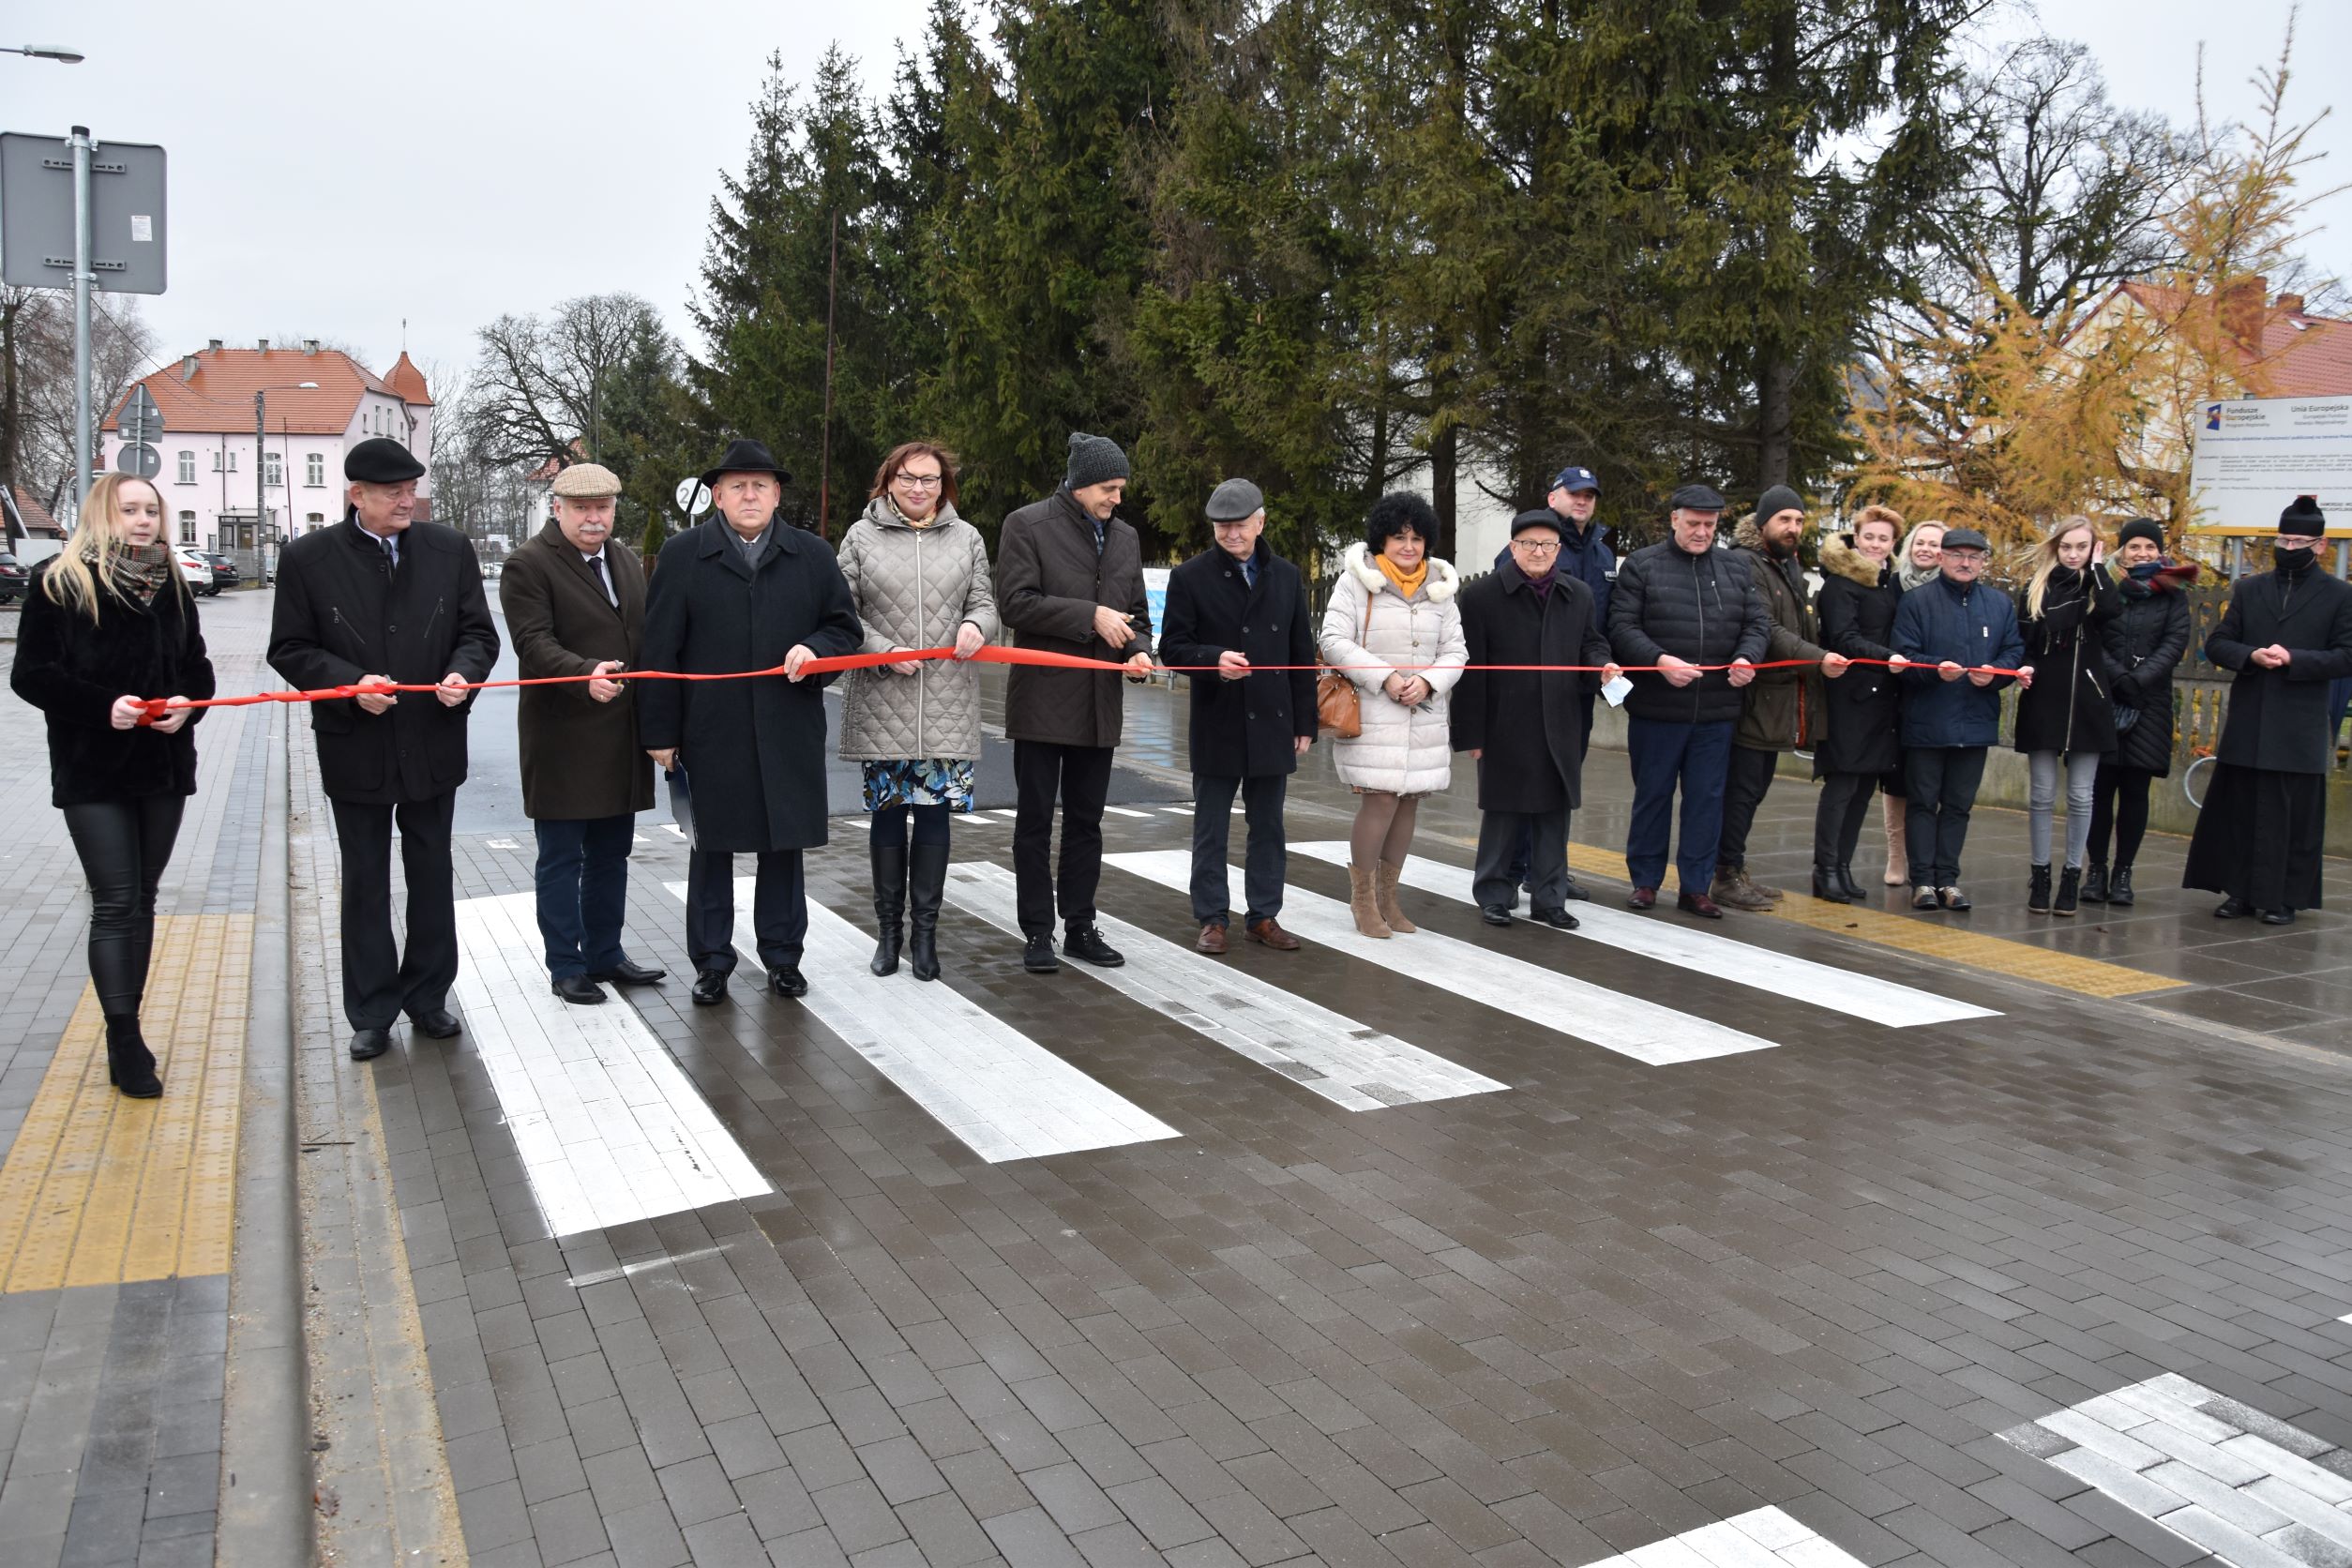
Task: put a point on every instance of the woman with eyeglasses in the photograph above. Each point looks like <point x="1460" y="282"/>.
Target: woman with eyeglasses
<point x="919" y="575"/>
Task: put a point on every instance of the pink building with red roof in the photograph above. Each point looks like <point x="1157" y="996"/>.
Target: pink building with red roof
<point x="207" y="446"/>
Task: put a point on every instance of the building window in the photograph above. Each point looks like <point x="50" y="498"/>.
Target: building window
<point x="187" y="519"/>
<point x="314" y="469"/>
<point x="273" y="469"/>
<point x="224" y="461"/>
<point x="188" y="468"/>
<point x="313" y="521"/>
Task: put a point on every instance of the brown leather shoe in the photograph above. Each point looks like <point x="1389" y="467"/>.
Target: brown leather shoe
<point x="1698" y="904"/>
<point x="1642" y="898"/>
<point x="1212" y="939"/>
<point x="1270" y="931"/>
<point x="1734" y="891"/>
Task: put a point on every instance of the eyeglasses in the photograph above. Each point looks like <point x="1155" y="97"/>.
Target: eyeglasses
<point x="920" y="481"/>
<point x="1533" y="549"/>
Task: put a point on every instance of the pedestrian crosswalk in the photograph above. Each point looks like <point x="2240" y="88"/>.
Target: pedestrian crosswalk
<point x="1841" y="990"/>
<point x="1354" y="1067"/>
<point x="1648" y="1031"/>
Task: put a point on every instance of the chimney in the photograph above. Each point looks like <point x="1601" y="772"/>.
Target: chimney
<point x="2238" y="310"/>
<point x="187" y="366"/>
<point x="264" y="345"/>
<point x="215" y="348"/>
<point x="2291" y="303"/>
<point x="310" y="345"/>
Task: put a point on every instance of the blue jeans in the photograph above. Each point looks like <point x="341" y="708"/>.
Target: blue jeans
<point x="1697" y="757"/>
<point x="583" y="881"/>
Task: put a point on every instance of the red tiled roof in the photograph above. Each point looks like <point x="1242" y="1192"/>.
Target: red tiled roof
<point x="220" y="396"/>
<point x="406" y="380"/>
<point x="2300" y="354"/>
<point x="30" y="511"/>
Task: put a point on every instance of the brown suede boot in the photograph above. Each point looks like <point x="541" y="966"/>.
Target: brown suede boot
<point x="1364" y="902"/>
<point x="1386" y="899"/>
<point x="1898" y="851"/>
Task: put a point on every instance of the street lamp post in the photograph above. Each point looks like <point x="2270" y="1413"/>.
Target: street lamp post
<point x="58" y="53"/>
<point x="261" y="467"/>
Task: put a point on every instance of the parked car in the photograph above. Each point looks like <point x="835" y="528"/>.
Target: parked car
<point x="224" y="570"/>
<point x="14" y="578"/>
<point x="196" y="571"/>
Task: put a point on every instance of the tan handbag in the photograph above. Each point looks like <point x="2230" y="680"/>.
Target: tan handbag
<point x="1339" y="707"/>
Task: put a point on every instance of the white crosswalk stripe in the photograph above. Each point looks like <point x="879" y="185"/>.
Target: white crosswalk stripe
<point x="1354" y="1067"/>
<point x="1004" y="1095"/>
<point x="1840" y="990"/>
<point x="1763" y="1538"/>
<point x="1645" y="1031"/>
<point x="609" y="1127"/>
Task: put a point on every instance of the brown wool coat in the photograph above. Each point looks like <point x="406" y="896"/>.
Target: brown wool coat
<point x="581" y="760"/>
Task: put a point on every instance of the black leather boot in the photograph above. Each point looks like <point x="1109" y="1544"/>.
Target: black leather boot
<point x="926" y="880"/>
<point x="1828" y="886"/>
<point x="2070" y="888"/>
<point x="2038" y="896"/>
<point x="1854" y="893"/>
<point x="2095" y="882"/>
<point x="890" y="904"/>
<point x="129" y="1065"/>
<point x="2119" y="887"/>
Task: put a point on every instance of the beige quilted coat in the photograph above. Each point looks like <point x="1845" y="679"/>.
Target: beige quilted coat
<point x="914" y="587"/>
<point x="1368" y="630"/>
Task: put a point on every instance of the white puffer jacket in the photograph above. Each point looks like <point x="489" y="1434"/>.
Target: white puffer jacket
<point x="1402" y="752"/>
<point x="914" y="587"/>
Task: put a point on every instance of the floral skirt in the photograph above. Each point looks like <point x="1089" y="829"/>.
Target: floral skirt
<point x="919" y="782"/>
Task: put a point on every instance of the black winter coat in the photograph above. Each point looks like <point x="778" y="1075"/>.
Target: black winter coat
<point x="2278" y="718"/>
<point x="1861" y="708"/>
<point x="342" y="612"/>
<point x="1530" y="723"/>
<point x="581" y="760"/>
<point x="2144" y="646"/>
<point x="2071" y="704"/>
<point x="1700" y="608"/>
<point x="1049" y="579"/>
<point x="753" y="750"/>
<point x="1249" y="728"/>
<point x="73" y="671"/>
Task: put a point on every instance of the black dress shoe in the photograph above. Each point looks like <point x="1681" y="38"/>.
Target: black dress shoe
<point x="1495" y="915"/>
<point x="437" y="1022"/>
<point x="2233" y="908"/>
<point x="628" y="974"/>
<point x="1698" y="904"/>
<point x="578" y="989"/>
<point x="1037" y="956"/>
<point x="1086" y="942"/>
<point x="710" y="987"/>
<point x="786" y="980"/>
<point x="1577" y="891"/>
<point x="371" y="1043"/>
<point x="2278" y="918"/>
<point x="1558" y="920"/>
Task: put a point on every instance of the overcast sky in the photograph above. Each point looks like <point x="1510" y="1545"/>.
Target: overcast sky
<point x="337" y="170"/>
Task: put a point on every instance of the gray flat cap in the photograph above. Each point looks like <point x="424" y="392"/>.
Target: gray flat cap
<point x="1234" y="500"/>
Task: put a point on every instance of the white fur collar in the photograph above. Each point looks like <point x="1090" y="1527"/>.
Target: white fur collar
<point x="1442" y="584"/>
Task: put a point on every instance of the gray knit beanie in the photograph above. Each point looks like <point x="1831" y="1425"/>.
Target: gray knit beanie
<point x="1093" y="459"/>
<point x="1776" y="500"/>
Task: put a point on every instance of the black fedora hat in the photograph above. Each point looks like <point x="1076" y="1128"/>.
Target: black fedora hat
<point x="746" y="456"/>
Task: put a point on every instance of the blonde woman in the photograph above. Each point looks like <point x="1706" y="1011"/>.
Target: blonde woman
<point x="107" y="624"/>
<point x="1393" y="626"/>
<point x="1916" y="561"/>
<point x="2067" y="715"/>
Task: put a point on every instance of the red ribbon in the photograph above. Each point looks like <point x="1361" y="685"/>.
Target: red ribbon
<point x="992" y="654"/>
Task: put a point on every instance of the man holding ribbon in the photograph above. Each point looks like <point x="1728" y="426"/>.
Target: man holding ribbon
<point x="575" y="606"/>
<point x="746" y="591"/>
<point x="378" y="600"/>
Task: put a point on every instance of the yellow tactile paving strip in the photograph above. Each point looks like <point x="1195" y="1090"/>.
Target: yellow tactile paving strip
<point x="99" y="1190"/>
<point x="2020" y="960"/>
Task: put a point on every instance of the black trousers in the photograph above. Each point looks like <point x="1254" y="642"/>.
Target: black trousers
<point x="779" y="910"/>
<point x="1493" y="880"/>
<point x="1264" y="864"/>
<point x="1523" y="852"/>
<point x="1081" y="775"/>
<point x="381" y="981"/>
<point x="1743" y="790"/>
<point x="2118" y="804"/>
<point x="1839" y="814"/>
<point x="124" y="846"/>
<point x="1942" y="781"/>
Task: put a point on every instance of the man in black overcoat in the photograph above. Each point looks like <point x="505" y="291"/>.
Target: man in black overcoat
<point x="1234" y="606"/>
<point x="2286" y="633"/>
<point x="377" y="600"/>
<point x="1525" y="728"/>
<point x="746" y="591"/>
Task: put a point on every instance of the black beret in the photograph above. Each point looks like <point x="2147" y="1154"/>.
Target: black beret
<point x="381" y="460"/>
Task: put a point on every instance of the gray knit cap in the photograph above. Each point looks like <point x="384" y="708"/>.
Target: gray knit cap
<point x="1776" y="500"/>
<point x="1093" y="459"/>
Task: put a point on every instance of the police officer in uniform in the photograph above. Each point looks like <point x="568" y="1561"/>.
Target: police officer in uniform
<point x="382" y="599"/>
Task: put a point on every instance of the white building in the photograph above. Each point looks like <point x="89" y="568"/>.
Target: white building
<point x="315" y="405"/>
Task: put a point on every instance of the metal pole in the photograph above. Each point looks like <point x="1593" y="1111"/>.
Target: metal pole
<point x="824" y="459"/>
<point x="83" y="467"/>
<point x="261" y="487"/>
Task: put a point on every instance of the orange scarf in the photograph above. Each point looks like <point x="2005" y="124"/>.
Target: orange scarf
<point x="1407" y="584"/>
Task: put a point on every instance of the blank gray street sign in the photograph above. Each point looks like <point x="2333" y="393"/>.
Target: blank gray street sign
<point x="126" y="214"/>
<point x="138" y="458"/>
